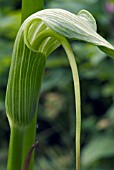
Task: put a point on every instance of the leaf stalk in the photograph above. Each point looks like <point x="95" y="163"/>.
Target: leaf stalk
<point x="29" y="7"/>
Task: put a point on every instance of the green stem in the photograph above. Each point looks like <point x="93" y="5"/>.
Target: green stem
<point x="74" y="69"/>
<point x="29" y="140"/>
<point x="15" y="148"/>
<point x="31" y="6"/>
<point x="70" y="55"/>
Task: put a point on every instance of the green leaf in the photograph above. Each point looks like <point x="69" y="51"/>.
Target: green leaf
<point x="98" y="148"/>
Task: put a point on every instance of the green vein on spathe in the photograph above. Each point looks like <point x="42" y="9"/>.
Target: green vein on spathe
<point x="26" y="76"/>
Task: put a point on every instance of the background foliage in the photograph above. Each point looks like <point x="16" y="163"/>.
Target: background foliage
<point x="56" y="125"/>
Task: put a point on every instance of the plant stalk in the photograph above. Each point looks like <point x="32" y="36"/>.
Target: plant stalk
<point x="15" y="148"/>
<point x="29" y="140"/>
<point x="31" y="6"/>
<point x="74" y="69"/>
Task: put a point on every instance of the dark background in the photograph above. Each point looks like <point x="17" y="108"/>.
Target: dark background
<point x="56" y="117"/>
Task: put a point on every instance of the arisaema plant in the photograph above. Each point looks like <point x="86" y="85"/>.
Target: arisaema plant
<point x="39" y="35"/>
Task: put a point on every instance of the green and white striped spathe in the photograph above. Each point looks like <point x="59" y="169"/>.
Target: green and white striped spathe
<point x="40" y="35"/>
<point x="77" y="27"/>
<point x="31" y="48"/>
<point x="27" y="68"/>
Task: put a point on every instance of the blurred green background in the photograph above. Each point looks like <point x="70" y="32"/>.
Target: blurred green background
<point x="56" y="117"/>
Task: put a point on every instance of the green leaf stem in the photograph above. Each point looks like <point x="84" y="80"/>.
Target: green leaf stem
<point x="30" y="7"/>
